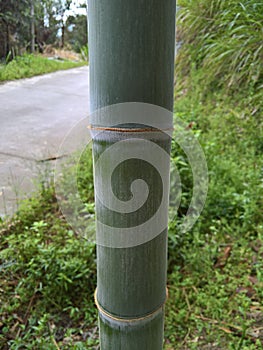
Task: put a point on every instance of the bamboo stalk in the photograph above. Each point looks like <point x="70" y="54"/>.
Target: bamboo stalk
<point x="131" y="48"/>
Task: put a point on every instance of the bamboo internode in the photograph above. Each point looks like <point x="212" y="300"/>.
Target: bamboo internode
<point x="131" y="46"/>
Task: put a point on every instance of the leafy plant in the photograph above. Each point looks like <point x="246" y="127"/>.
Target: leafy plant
<point x="84" y="51"/>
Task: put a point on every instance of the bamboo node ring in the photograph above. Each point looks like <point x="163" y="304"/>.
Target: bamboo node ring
<point x="127" y="320"/>
<point x="130" y="130"/>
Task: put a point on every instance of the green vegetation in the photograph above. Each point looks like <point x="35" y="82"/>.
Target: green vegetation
<point x="77" y="37"/>
<point x="215" y="271"/>
<point x="47" y="280"/>
<point x="215" y="278"/>
<point x="27" y="66"/>
<point x="224" y="37"/>
<point x="32" y="25"/>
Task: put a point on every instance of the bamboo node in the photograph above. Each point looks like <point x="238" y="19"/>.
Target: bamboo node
<point x="128" y="320"/>
<point x="129" y="130"/>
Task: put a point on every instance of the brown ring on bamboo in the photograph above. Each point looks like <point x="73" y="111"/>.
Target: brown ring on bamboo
<point x="136" y="130"/>
<point x="127" y="320"/>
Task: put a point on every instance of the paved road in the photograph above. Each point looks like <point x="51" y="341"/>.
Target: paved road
<point x="35" y="115"/>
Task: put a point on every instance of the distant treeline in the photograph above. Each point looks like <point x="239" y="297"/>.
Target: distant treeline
<point x="30" y="25"/>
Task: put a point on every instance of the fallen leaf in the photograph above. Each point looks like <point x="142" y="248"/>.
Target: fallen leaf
<point x="249" y="291"/>
<point x="253" y="279"/>
<point x="226" y="330"/>
<point x="256" y="245"/>
<point x="222" y="260"/>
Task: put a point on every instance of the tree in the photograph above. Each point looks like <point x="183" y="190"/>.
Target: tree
<point x="14" y="26"/>
<point x="32" y="24"/>
<point x="131" y="45"/>
<point x="24" y="24"/>
<point x="76" y="31"/>
<point x="61" y="7"/>
<point x="47" y="24"/>
<point x="32" y="13"/>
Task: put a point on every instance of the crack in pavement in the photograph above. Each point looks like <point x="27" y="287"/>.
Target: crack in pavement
<point x="49" y="159"/>
<point x="7" y="154"/>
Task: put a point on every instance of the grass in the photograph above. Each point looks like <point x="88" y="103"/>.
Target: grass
<point x="47" y="276"/>
<point x="215" y="271"/>
<point x="27" y="66"/>
<point x="215" y="278"/>
<point x="225" y="38"/>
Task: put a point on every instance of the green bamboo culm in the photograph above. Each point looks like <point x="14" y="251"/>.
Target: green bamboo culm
<point x="131" y="55"/>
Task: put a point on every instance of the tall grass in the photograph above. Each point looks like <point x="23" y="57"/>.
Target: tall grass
<point x="225" y="37"/>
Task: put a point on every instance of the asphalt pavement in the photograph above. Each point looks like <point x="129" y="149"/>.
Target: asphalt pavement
<point x="35" y="116"/>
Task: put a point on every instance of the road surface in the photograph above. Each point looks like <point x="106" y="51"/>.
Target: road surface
<point x="35" y="116"/>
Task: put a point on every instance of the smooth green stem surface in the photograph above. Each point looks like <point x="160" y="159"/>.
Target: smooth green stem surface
<point x="131" y="49"/>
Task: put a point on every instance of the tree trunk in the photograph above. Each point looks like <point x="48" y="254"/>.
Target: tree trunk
<point x="63" y="36"/>
<point x="131" y="47"/>
<point x="32" y="26"/>
<point x="7" y="40"/>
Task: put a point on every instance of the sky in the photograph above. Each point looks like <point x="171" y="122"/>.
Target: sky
<point x="75" y="9"/>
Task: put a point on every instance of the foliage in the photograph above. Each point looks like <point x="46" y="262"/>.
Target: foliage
<point x="26" y="66"/>
<point x="50" y="273"/>
<point x="215" y="271"/>
<point x="76" y="34"/>
<point x="225" y="37"/>
<point x="13" y="24"/>
<point x="49" y="18"/>
<point x="46" y="24"/>
<point x="84" y="51"/>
